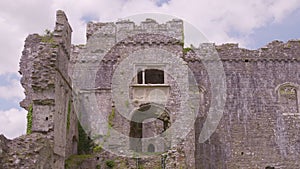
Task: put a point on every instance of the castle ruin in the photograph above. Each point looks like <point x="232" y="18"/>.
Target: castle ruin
<point x="149" y="102"/>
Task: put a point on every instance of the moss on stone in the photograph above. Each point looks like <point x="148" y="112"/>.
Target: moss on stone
<point x="74" y="161"/>
<point x="111" y="117"/>
<point x="48" y="37"/>
<point x="68" y="115"/>
<point x="127" y="103"/>
<point x="97" y="149"/>
<point x="186" y="50"/>
<point x="29" y="120"/>
<point x="85" y="144"/>
<point x="110" y="163"/>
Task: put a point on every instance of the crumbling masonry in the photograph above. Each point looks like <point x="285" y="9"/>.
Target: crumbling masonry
<point x="127" y="68"/>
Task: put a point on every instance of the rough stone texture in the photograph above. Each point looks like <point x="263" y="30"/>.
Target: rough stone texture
<point x="65" y="123"/>
<point x="30" y="151"/>
<point x="97" y="61"/>
<point x="3" y="148"/>
<point x="48" y="88"/>
<point x="257" y="128"/>
<point x="260" y="122"/>
<point x="101" y="160"/>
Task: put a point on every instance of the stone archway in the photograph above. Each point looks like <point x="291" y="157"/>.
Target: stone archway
<point x="147" y="114"/>
<point x="151" y="148"/>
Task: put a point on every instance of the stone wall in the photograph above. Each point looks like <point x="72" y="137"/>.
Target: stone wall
<point x="65" y="123"/>
<point x="37" y="68"/>
<point x="257" y="129"/>
<point x="260" y="122"/>
<point x="30" y="151"/>
<point x="48" y="90"/>
<point x="253" y="113"/>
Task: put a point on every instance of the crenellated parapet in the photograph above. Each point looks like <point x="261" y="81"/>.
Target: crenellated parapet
<point x="125" y="28"/>
<point x="276" y="51"/>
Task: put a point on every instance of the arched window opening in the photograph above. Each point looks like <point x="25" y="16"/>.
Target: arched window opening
<point x="288" y="98"/>
<point x="151" y="148"/>
<point x="148" y="121"/>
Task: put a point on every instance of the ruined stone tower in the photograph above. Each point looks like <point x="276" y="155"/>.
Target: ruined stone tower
<point x="48" y="88"/>
<point x="149" y="102"/>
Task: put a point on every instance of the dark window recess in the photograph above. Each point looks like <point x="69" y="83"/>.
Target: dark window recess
<point x="140" y="77"/>
<point x="152" y="76"/>
<point x="151" y="148"/>
<point x="269" y="167"/>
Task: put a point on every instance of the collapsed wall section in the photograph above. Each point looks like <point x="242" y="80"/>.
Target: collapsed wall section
<point x="44" y="70"/>
<point x="37" y="68"/>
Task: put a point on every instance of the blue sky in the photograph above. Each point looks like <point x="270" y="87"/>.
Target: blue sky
<point x="252" y="24"/>
<point x="285" y="30"/>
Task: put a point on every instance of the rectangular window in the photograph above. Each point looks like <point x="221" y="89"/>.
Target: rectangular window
<point x="150" y="76"/>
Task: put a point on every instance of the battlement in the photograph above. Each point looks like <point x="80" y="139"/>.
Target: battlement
<point x="273" y="51"/>
<point x="124" y="28"/>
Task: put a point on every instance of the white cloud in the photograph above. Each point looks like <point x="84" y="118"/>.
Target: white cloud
<point x="12" y="122"/>
<point x="12" y="91"/>
<point x="214" y="18"/>
<point x="19" y="18"/>
<point x="282" y="8"/>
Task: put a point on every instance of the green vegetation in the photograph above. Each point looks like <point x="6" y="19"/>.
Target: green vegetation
<point x="48" y="37"/>
<point x="97" y="149"/>
<point x="127" y="103"/>
<point x="85" y="144"/>
<point x="287" y="92"/>
<point x="68" y="115"/>
<point x="109" y="125"/>
<point x="111" y="117"/>
<point x="140" y="167"/>
<point x="29" y="120"/>
<point x="186" y="50"/>
<point x="110" y="163"/>
<point x="74" y="161"/>
<point x="182" y="41"/>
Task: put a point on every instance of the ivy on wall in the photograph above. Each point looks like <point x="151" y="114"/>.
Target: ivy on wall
<point x="29" y="120"/>
<point x="74" y="161"/>
<point x="111" y="117"/>
<point x="85" y="144"/>
<point x="69" y="114"/>
<point x="110" y="163"/>
<point x="186" y="50"/>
